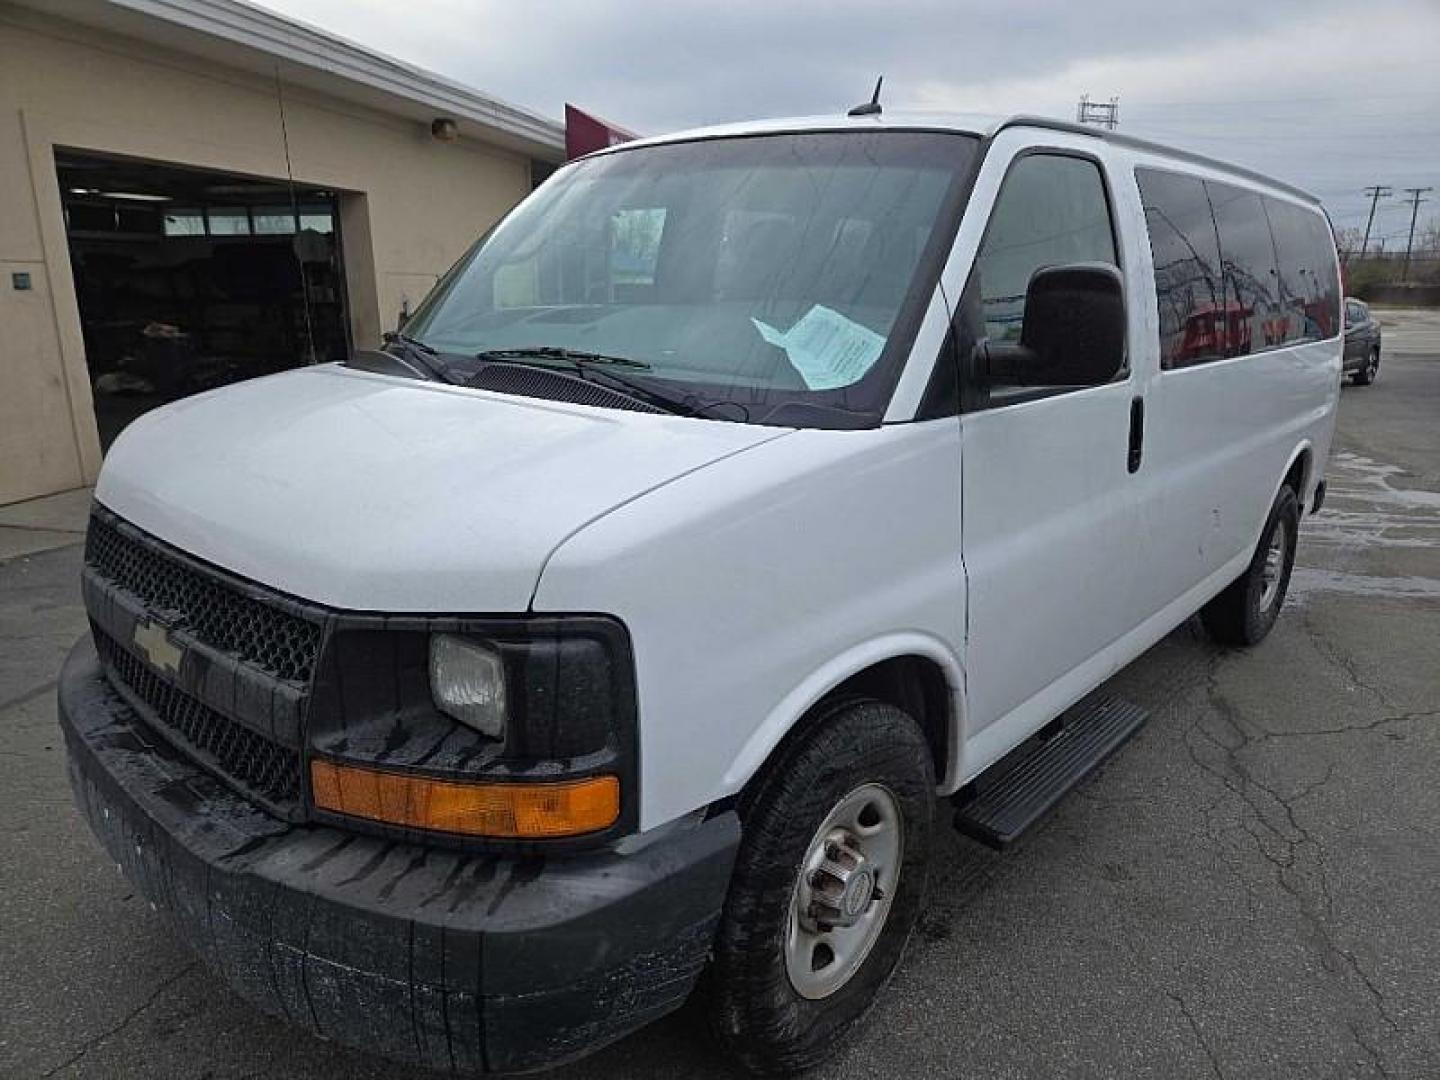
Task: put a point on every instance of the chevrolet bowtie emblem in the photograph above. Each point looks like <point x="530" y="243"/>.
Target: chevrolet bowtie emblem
<point x="154" y="641"/>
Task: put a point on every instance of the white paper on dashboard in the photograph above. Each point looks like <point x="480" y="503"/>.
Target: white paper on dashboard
<point x="770" y="334"/>
<point x="826" y="348"/>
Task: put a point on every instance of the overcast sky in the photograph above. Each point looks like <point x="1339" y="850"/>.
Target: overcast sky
<point x="1331" y="96"/>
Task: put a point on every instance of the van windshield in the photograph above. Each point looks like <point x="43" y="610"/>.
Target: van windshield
<point x="776" y="277"/>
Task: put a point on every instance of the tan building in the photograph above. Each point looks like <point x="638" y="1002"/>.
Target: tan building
<point x="195" y="191"/>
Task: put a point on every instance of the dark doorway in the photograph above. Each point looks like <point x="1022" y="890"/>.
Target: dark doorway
<point x="189" y="279"/>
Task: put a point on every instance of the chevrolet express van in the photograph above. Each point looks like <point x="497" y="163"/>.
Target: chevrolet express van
<point x="741" y="499"/>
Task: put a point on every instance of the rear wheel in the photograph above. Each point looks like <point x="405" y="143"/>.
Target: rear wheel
<point x="827" y="886"/>
<point x="1367" y="372"/>
<point x="1244" y="613"/>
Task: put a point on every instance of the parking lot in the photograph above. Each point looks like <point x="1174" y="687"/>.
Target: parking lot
<point x="1247" y="889"/>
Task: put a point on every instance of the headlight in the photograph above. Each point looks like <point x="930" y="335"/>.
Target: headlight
<point x="502" y="727"/>
<point x="467" y="681"/>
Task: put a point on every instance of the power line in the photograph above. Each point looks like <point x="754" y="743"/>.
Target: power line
<point x="1328" y="136"/>
<point x="1425" y="151"/>
<point x="1415" y="201"/>
<point x="1245" y="103"/>
<point x="1423" y="111"/>
<point x="1375" y="192"/>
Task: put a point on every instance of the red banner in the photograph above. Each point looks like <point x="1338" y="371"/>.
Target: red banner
<point x="584" y="134"/>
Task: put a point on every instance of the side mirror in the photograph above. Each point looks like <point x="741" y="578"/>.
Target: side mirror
<point x="1074" y="330"/>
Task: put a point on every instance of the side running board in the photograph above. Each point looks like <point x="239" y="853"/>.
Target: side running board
<point x="1038" y="775"/>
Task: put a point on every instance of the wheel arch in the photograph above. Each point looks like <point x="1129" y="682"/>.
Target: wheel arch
<point x="1300" y="471"/>
<point x="915" y="672"/>
<point x="1298" y="476"/>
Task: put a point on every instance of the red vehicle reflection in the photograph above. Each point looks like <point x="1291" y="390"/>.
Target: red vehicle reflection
<point x="1215" y="330"/>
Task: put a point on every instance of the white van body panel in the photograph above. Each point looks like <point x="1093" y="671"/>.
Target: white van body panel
<point x="1050" y="537"/>
<point x="1221" y="436"/>
<point x="756" y="568"/>
<point x="1212" y="487"/>
<point x="373" y="493"/>
<point x="752" y="587"/>
<point x="1075" y="568"/>
<point x="915" y="378"/>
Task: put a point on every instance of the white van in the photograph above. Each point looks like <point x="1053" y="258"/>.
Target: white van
<point x="740" y="497"/>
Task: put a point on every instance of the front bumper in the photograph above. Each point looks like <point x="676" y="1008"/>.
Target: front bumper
<point x="461" y="962"/>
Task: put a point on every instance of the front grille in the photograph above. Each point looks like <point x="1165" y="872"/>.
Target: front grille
<point x="215" y="612"/>
<point x="256" y="763"/>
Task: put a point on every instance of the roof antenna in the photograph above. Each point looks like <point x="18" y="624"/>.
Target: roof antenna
<point x="871" y="107"/>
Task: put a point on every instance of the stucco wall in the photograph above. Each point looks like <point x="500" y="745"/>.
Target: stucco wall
<point x="409" y="205"/>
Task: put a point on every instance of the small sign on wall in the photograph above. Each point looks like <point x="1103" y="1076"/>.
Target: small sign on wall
<point x="20" y="281"/>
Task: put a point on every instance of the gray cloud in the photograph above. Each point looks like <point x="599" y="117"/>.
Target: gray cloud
<point x="1326" y="94"/>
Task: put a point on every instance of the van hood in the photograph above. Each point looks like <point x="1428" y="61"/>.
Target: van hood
<point x="373" y="493"/>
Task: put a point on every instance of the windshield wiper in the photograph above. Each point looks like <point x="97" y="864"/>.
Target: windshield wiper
<point x="419" y="355"/>
<point x="575" y="357"/>
<point x="584" y="365"/>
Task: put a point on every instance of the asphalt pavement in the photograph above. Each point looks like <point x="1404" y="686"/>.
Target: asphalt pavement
<point x="1250" y="888"/>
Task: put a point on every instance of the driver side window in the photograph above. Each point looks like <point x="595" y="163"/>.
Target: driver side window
<point x="1051" y="211"/>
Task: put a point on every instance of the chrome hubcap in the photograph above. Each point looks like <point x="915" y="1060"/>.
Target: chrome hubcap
<point x="843" y="893"/>
<point x="1274" y="566"/>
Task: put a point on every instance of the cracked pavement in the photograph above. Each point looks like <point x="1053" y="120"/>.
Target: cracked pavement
<point x="1248" y="889"/>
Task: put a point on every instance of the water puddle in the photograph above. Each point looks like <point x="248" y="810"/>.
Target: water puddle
<point x="1305" y="580"/>
<point x="1366" y="511"/>
<point x="1357" y="477"/>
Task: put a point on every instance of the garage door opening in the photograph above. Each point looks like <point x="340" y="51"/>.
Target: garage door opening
<point x="189" y="279"/>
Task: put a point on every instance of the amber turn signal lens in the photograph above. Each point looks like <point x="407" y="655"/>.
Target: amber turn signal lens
<point x="506" y="811"/>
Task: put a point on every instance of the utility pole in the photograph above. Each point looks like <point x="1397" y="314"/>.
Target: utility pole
<point x="1104" y="114"/>
<point x="1415" y="201"/>
<point x="1376" y="193"/>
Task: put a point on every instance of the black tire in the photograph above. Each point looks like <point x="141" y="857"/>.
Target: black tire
<point x="760" y="1018"/>
<point x="1240" y="615"/>
<point x="1365" y="374"/>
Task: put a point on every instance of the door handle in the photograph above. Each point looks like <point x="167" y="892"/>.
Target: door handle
<point x="1137" y="433"/>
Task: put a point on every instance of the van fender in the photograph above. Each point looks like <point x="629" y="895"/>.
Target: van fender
<point x="1303" y="447"/>
<point x="795" y="705"/>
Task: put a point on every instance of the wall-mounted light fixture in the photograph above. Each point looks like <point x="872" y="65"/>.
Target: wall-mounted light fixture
<point x="444" y="129"/>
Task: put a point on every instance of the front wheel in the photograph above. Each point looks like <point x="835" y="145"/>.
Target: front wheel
<point x="1244" y="613"/>
<point x="827" y="886"/>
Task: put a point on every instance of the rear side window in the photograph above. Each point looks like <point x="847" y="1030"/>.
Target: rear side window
<point x="1194" y="322"/>
<point x="1252" y="281"/>
<point x="1309" y="291"/>
<point x="1325" y="265"/>
<point x="1271" y="279"/>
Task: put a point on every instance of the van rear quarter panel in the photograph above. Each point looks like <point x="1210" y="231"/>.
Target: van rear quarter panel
<point x="1220" y="440"/>
<point x="808" y="558"/>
